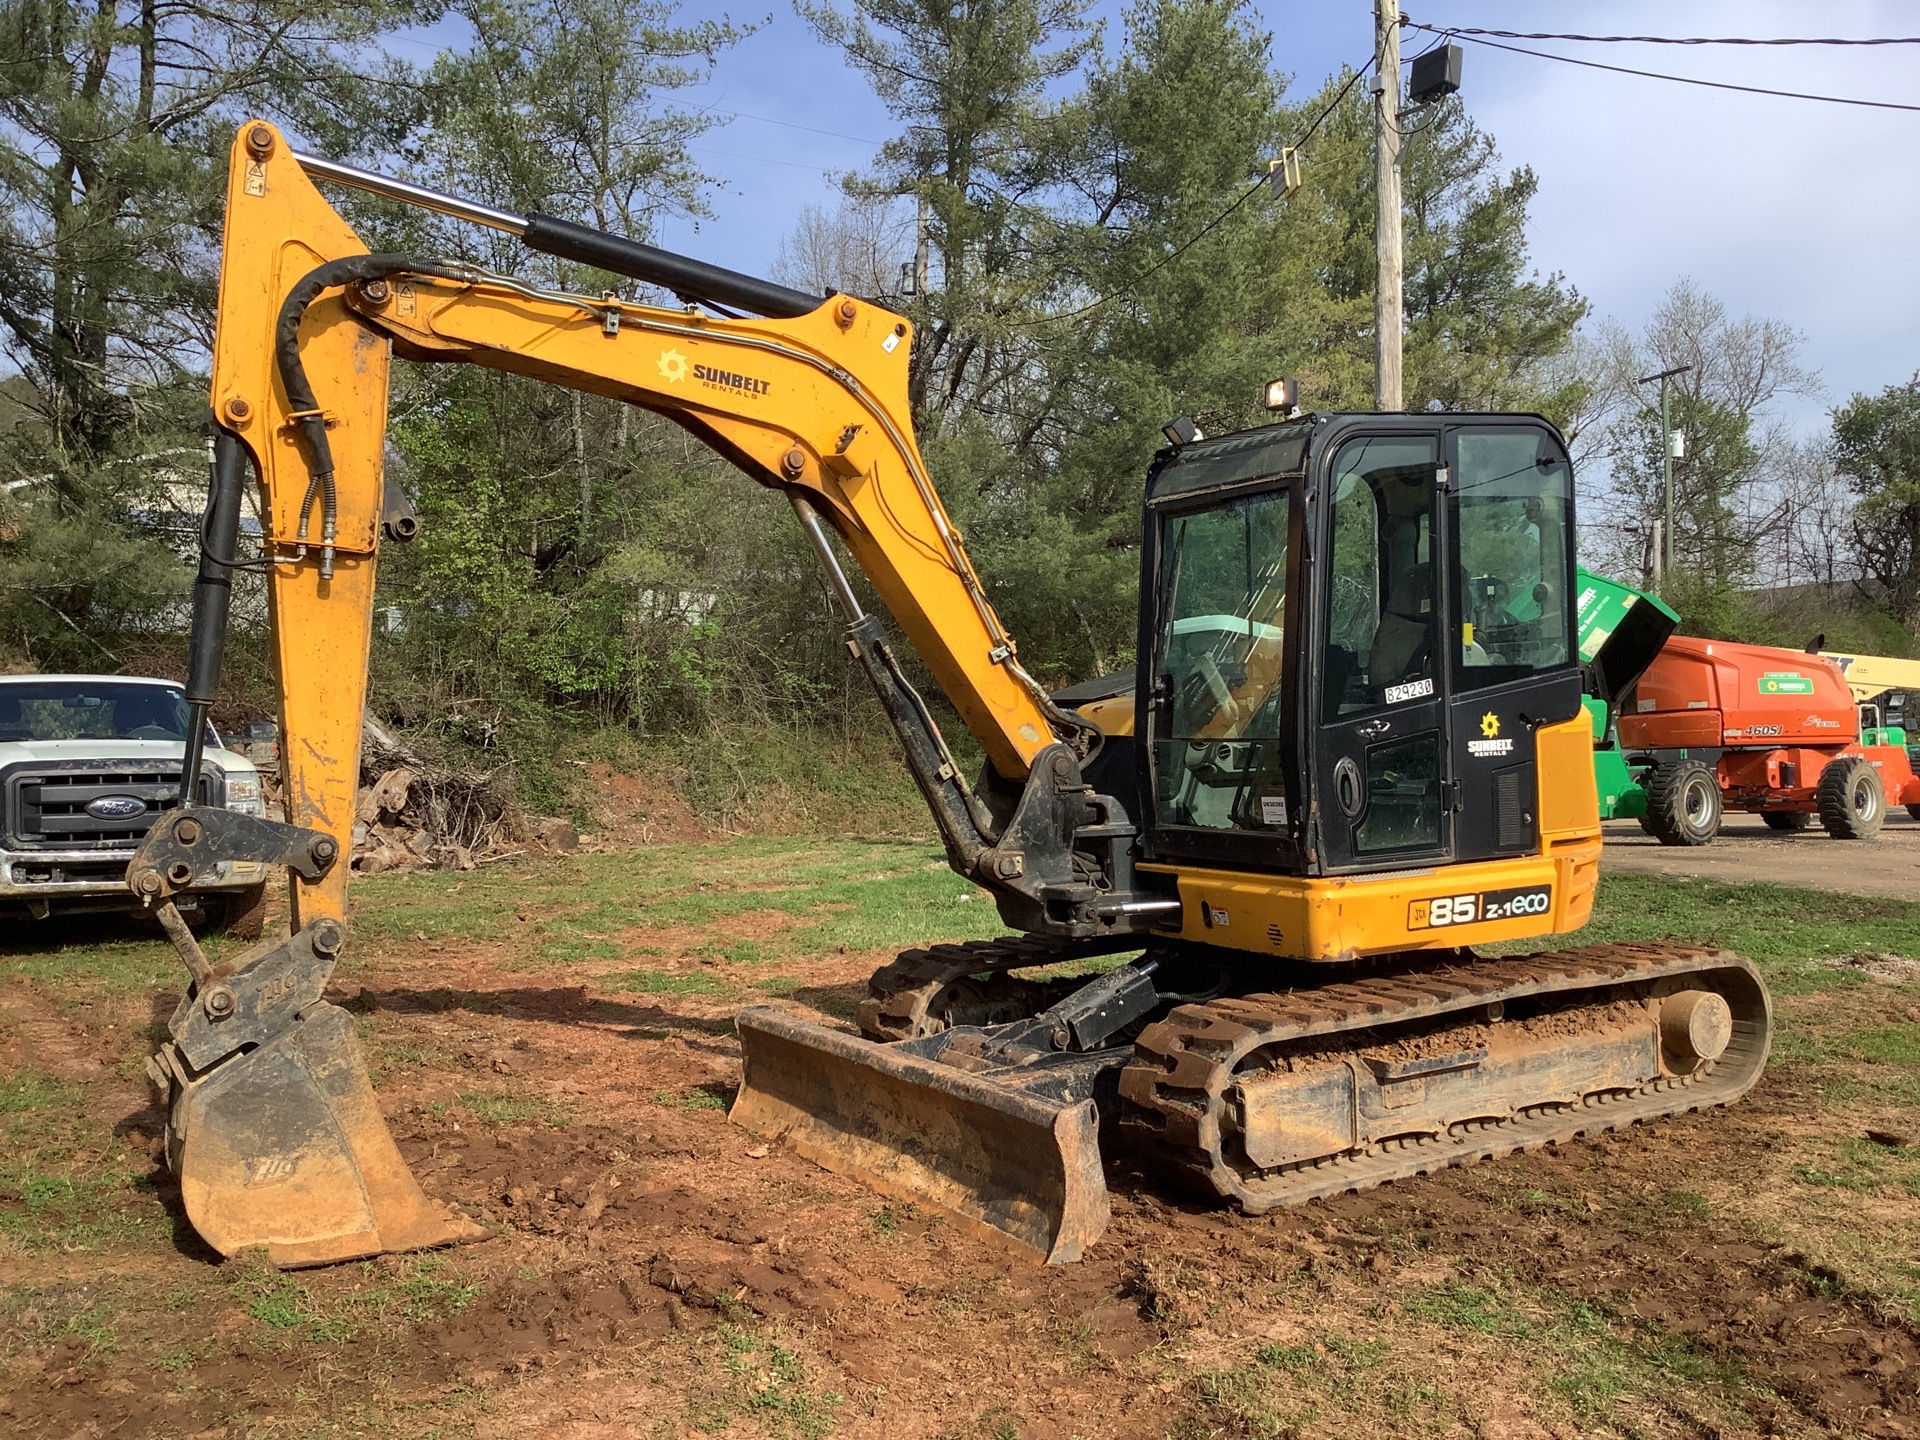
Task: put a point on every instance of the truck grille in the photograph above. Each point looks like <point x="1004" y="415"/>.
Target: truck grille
<point x="47" y="803"/>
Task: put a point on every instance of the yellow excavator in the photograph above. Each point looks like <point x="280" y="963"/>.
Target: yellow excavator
<point x="1244" y="883"/>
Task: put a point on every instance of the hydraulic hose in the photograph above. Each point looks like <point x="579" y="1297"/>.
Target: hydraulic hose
<point x="307" y="416"/>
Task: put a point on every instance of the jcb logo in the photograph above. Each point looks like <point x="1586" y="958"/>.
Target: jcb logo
<point x="270" y="1168"/>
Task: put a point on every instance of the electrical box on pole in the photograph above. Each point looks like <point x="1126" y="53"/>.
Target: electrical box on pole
<point x="1434" y="75"/>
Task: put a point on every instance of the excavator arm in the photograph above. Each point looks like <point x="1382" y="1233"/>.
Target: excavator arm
<point x="812" y="403"/>
<point x="273" y="1130"/>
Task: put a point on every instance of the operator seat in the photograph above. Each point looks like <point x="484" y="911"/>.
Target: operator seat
<point x="1404" y="640"/>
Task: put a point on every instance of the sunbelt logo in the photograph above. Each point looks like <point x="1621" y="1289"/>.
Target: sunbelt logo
<point x="1491" y="742"/>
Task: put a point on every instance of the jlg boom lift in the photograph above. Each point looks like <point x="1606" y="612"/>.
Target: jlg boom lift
<point x="1358" y="750"/>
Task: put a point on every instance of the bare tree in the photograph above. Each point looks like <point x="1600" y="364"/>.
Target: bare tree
<point x="858" y="249"/>
<point x="1734" y="489"/>
<point x="1819" y="513"/>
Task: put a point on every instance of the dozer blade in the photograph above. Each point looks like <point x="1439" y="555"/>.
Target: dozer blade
<point x="273" y="1130"/>
<point x="1020" y="1164"/>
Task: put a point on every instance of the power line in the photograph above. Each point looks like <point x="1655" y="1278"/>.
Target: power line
<point x="1689" y="39"/>
<point x="1659" y="75"/>
<point x="761" y="159"/>
<point x="810" y="129"/>
<point x="1207" y="229"/>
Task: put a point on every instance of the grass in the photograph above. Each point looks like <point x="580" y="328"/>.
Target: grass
<point x="669" y="982"/>
<point x="394" y="1292"/>
<point x="819" y="897"/>
<point x="1284" y="1388"/>
<point x="61" y="1189"/>
<point x="1596" y="1358"/>
<point x="1777" y="928"/>
<point x="28" y="1091"/>
<point x="761" y="1379"/>
<point x="745" y="919"/>
<point x="701" y="1097"/>
<point x="1865" y="1167"/>
<point x="513" y="1107"/>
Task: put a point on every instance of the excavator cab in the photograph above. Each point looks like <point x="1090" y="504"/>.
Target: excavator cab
<point x="1352" y="627"/>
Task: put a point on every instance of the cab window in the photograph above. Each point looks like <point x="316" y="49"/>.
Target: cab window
<point x="1512" y="516"/>
<point x="1221" y="658"/>
<point x="1382" y="616"/>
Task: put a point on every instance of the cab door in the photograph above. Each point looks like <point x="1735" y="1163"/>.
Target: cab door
<point x="1511" y="660"/>
<point x="1383" y="766"/>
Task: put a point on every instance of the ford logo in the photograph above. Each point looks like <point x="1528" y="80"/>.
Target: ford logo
<point x="116" y="807"/>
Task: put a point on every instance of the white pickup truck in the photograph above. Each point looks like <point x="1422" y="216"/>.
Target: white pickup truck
<point x="87" y="763"/>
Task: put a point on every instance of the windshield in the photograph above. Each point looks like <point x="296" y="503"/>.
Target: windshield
<point x="1220" y="661"/>
<point x="91" y="710"/>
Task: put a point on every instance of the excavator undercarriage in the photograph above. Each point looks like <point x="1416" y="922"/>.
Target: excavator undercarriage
<point x="990" y="1093"/>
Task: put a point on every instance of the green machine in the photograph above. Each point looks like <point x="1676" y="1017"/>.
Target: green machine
<point x="1621" y="630"/>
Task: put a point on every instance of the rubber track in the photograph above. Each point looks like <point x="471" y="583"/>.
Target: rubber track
<point x="900" y="995"/>
<point x="1184" y="1065"/>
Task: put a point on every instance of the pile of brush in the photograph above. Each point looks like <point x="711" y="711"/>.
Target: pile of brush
<point x="416" y="811"/>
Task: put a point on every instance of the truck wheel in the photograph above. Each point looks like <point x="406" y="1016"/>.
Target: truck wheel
<point x="1683" y="803"/>
<point x="1853" y="806"/>
<point x="1786" y="819"/>
<point x="245" y="913"/>
<point x="1914" y="811"/>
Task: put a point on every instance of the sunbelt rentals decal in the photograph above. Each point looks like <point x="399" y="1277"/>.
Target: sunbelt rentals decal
<point x="675" y="367"/>
<point x="1491" y="743"/>
<point x="1786" y="682"/>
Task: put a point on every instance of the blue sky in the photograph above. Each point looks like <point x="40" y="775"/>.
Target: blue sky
<point x="1801" y="211"/>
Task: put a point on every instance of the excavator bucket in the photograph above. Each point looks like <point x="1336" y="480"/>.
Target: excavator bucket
<point x="1020" y="1164"/>
<point x="273" y="1130"/>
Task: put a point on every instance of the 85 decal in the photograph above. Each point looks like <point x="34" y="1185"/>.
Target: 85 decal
<point x="1483" y="905"/>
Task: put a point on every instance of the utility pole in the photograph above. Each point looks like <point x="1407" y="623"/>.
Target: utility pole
<point x="1663" y="554"/>
<point x="1389" y="277"/>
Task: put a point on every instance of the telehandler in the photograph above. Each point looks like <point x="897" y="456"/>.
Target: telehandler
<point x="1357" y="750"/>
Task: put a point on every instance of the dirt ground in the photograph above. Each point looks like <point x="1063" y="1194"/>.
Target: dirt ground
<point x="1746" y="850"/>
<point x="654" y="1271"/>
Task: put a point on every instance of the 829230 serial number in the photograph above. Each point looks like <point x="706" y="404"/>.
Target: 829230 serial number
<point x="1486" y="905"/>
